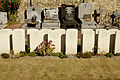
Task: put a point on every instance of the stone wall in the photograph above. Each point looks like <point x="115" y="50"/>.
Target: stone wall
<point x="106" y="5"/>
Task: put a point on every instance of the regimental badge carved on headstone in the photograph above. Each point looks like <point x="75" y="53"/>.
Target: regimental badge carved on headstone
<point x="51" y="19"/>
<point x="33" y="17"/>
<point x="67" y="17"/>
<point x="85" y="15"/>
<point x="69" y="10"/>
<point x="3" y="19"/>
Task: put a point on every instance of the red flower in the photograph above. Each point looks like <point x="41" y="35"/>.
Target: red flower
<point x="52" y="45"/>
<point x="50" y="41"/>
<point x="41" y="43"/>
<point x="0" y="5"/>
<point x="48" y="46"/>
<point x="19" y="2"/>
<point x="10" y="6"/>
<point x="43" y="46"/>
<point x="44" y="42"/>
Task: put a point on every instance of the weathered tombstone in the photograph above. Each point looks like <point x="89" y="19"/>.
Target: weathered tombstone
<point x="68" y="17"/>
<point x="18" y="40"/>
<point x="56" y="37"/>
<point x="51" y="19"/>
<point x="5" y="40"/>
<point x="85" y="15"/>
<point x="33" y="17"/>
<point x="71" y="41"/>
<point x="3" y="19"/>
<point x="103" y="40"/>
<point x="117" y="41"/>
<point x="88" y="40"/>
<point x="36" y="37"/>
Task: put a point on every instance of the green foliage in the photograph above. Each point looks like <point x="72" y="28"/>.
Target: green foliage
<point x="87" y="54"/>
<point x="12" y="18"/>
<point x="117" y="54"/>
<point x="59" y="54"/>
<point x="11" y="7"/>
<point x="32" y="54"/>
<point x="5" y="55"/>
<point x="23" y="53"/>
<point x="45" y="49"/>
<point x="109" y="55"/>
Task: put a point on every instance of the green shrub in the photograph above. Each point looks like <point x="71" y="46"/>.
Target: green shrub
<point x="59" y="54"/>
<point x="32" y="54"/>
<point x="23" y="53"/>
<point x="87" y="54"/>
<point x="62" y="56"/>
<point x="117" y="54"/>
<point x="5" y="55"/>
<point x="109" y="55"/>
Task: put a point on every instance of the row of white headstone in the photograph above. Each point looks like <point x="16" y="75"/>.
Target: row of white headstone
<point x="71" y="39"/>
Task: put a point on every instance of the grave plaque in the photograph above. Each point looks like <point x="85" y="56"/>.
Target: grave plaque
<point x="68" y="17"/>
<point x="33" y="17"/>
<point x="85" y="15"/>
<point x="3" y="19"/>
<point x="51" y="19"/>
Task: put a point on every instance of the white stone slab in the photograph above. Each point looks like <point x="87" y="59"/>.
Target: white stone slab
<point x="88" y="40"/>
<point x="117" y="42"/>
<point x="18" y="40"/>
<point x="55" y="36"/>
<point x="3" y="18"/>
<point x="71" y="41"/>
<point x="103" y="40"/>
<point x="36" y="37"/>
<point x="5" y="40"/>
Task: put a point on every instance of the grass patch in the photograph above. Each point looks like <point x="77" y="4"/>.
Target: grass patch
<point x="60" y="69"/>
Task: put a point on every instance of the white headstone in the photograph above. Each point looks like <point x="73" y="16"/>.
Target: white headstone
<point x="103" y="40"/>
<point x="5" y="40"/>
<point x="36" y="37"/>
<point x="71" y="41"/>
<point x="88" y="40"/>
<point x="55" y="36"/>
<point x="117" y="42"/>
<point x="18" y="40"/>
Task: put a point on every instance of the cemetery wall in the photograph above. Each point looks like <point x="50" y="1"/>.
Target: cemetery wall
<point x="107" y="5"/>
<point x="65" y="40"/>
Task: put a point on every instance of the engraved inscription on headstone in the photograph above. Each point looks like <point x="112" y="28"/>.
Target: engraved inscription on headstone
<point x="69" y="10"/>
<point x="51" y="18"/>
